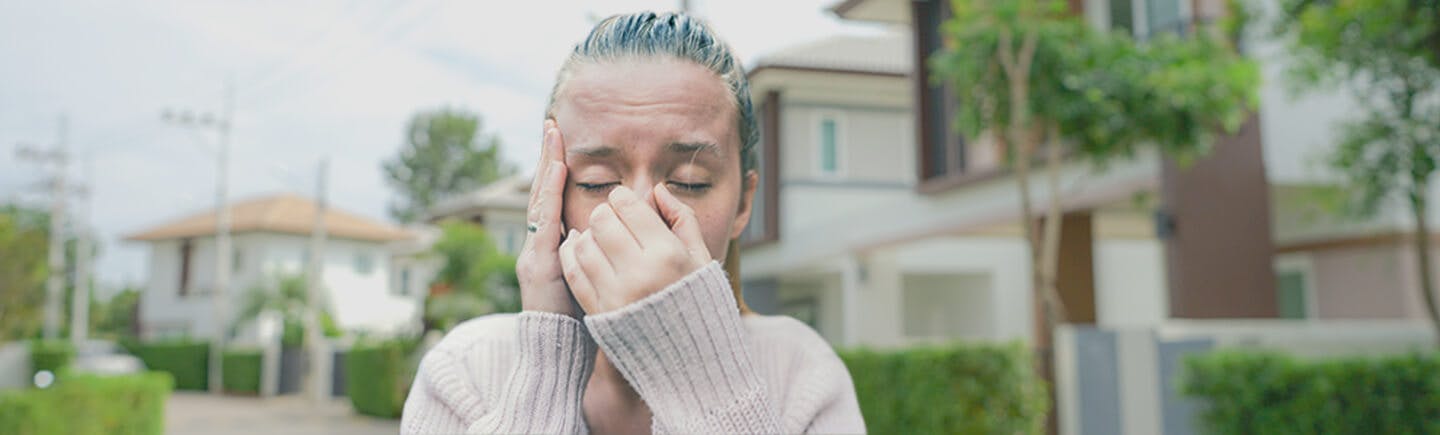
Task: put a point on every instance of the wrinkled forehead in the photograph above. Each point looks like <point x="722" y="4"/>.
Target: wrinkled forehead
<point x="668" y="100"/>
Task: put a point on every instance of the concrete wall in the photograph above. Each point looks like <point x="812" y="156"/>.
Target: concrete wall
<point x="1129" y="282"/>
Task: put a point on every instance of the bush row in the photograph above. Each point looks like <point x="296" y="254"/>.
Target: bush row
<point x="240" y="370"/>
<point x="378" y="376"/>
<point x="961" y="388"/>
<point x="50" y="355"/>
<point x="185" y="359"/>
<point x="1248" y="392"/>
<point x="79" y="404"/>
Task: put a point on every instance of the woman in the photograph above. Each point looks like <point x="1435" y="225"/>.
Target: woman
<point x="630" y="323"/>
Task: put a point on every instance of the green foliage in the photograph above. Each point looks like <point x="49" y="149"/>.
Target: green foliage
<point x="446" y="153"/>
<point x="116" y="317"/>
<point x="1385" y="52"/>
<point x="1248" y="392"/>
<point x="241" y="370"/>
<point x="50" y="355"/>
<point x="960" y="389"/>
<point x="184" y="359"/>
<point x="287" y="295"/>
<point x="378" y="376"/>
<point x="1105" y="94"/>
<point x="24" y="242"/>
<point x="481" y="279"/>
<point x="89" y="405"/>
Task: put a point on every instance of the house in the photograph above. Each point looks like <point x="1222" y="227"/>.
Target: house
<point x="883" y="227"/>
<point x="499" y="207"/>
<point x="270" y="237"/>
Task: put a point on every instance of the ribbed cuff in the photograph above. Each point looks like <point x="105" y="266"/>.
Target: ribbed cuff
<point x="684" y="349"/>
<point x="556" y="356"/>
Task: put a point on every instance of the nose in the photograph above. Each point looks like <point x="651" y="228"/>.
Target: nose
<point x="644" y="186"/>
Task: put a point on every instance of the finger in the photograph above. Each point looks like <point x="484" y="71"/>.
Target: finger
<point x="575" y="278"/>
<point x="597" y="267"/>
<point x="612" y="236"/>
<point x="540" y="165"/>
<point x="682" y="221"/>
<point x="544" y="213"/>
<point x="642" y="221"/>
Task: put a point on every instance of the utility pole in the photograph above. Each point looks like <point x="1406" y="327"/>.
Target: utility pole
<point x="55" y="282"/>
<point x="80" y="293"/>
<point x="220" y="301"/>
<point x="315" y="293"/>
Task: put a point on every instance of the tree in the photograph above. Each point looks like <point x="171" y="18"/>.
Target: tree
<point x="24" y="241"/>
<point x="287" y="296"/>
<point x="1042" y="83"/>
<point x="446" y="153"/>
<point x="1387" y="52"/>
<point x="116" y="318"/>
<point x="476" y="277"/>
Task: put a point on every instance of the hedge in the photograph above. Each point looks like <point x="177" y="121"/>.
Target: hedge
<point x="50" y="355"/>
<point x="186" y="360"/>
<point x="961" y="388"/>
<point x="79" y="404"/>
<point x="240" y="371"/>
<point x="378" y="375"/>
<point x="1248" y="392"/>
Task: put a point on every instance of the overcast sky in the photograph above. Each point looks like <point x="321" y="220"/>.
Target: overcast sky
<point x="336" y="79"/>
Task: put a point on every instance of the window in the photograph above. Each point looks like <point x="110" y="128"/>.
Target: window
<point x="404" y="286"/>
<point x="186" y="249"/>
<point x="235" y="263"/>
<point x="941" y="151"/>
<point x="828" y="150"/>
<point x="364" y="264"/>
<point x="764" y="225"/>
<point x="1144" y="19"/>
<point x="1292" y="294"/>
<point x="804" y="309"/>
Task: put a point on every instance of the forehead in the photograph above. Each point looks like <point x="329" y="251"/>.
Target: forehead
<point x="632" y="103"/>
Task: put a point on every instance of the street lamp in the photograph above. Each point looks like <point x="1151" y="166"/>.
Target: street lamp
<point x="221" y="125"/>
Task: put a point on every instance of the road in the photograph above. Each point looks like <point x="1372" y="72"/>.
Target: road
<point x="200" y="413"/>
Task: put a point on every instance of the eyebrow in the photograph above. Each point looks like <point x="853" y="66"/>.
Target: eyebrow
<point x="605" y="151"/>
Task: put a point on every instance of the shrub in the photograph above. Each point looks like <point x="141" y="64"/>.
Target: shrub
<point x="1248" y="392"/>
<point x="961" y="388"/>
<point x="240" y="372"/>
<point x="185" y="359"/>
<point x="50" y="355"/>
<point x="378" y="375"/>
<point x="80" y="404"/>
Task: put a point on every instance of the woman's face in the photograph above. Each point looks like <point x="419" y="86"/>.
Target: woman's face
<point x="642" y="123"/>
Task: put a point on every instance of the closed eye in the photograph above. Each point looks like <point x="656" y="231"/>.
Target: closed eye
<point x="690" y="187"/>
<point x="596" y="187"/>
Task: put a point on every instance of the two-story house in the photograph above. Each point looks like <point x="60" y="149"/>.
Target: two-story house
<point x="270" y="238"/>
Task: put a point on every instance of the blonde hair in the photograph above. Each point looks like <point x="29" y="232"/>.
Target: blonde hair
<point x="652" y="36"/>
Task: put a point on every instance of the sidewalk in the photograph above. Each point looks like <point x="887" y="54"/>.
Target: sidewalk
<point x="201" y="413"/>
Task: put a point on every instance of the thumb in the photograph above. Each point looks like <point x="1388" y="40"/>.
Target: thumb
<point x="682" y="221"/>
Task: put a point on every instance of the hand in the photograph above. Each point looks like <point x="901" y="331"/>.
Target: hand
<point x="629" y="252"/>
<point x="542" y="284"/>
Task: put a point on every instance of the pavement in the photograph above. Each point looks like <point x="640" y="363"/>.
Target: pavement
<point x="202" y="413"/>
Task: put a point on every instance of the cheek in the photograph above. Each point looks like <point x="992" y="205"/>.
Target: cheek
<point x="577" y="212"/>
<point x="715" y="218"/>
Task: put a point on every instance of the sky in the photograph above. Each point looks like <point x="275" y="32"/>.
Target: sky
<point x="312" y="80"/>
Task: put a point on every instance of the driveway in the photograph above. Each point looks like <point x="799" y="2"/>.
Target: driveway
<point x="201" y="413"/>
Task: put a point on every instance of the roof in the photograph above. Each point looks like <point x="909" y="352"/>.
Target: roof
<point x="886" y="54"/>
<point x="510" y="193"/>
<point x="284" y="213"/>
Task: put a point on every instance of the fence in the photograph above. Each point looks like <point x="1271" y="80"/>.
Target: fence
<point x="1125" y="380"/>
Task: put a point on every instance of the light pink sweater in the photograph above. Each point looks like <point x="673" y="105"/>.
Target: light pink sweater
<point x="696" y="362"/>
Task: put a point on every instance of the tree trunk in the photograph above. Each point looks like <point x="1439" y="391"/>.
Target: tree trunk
<point x="1050" y="254"/>
<point x="1419" y="202"/>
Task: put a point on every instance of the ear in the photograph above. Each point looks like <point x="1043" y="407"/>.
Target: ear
<point x="747" y="202"/>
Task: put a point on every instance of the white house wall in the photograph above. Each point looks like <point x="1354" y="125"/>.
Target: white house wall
<point x="1130" y="287"/>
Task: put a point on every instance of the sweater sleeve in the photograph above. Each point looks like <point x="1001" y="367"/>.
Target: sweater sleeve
<point x="542" y="394"/>
<point x="685" y="351"/>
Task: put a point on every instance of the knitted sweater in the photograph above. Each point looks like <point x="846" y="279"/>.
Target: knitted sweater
<point x="696" y="362"/>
